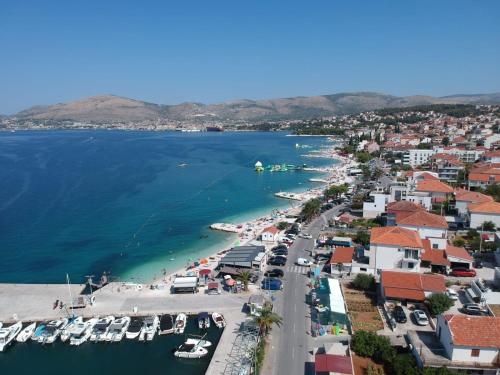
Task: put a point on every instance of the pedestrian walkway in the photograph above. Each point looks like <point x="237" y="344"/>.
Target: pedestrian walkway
<point x="297" y="269"/>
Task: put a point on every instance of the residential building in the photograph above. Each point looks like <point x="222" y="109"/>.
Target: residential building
<point x="491" y="140"/>
<point x="410" y="286"/>
<point x="395" y="209"/>
<point x="429" y="226"/>
<point x="484" y="174"/>
<point x="376" y="207"/>
<point x="447" y="166"/>
<point x="482" y="212"/>
<point x="437" y="190"/>
<point x="444" y="259"/>
<point x="341" y="260"/>
<point x="416" y="157"/>
<point x="492" y="156"/>
<point x="333" y="358"/>
<point x="464" y="197"/>
<point x="270" y="234"/>
<point x="393" y="248"/>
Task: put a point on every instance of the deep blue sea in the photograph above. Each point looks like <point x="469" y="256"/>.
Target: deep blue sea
<point x="84" y="202"/>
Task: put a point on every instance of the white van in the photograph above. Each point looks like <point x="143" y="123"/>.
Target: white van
<point x="303" y="262"/>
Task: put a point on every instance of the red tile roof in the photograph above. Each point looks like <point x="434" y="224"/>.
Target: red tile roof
<point x="423" y="219"/>
<point x="272" y="230"/>
<point x="487" y="208"/>
<point x="474" y="331"/>
<point x="433" y="256"/>
<point x="342" y="255"/>
<point x="471" y="196"/>
<point x="410" y="285"/>
<point x="457" y="252"/>
<point x="339" y="364"/>
<point x="427" y="176"/>
<point x="434" y="186"/>
<point x="404" y="206"/>
<point x="483" y="177"/>
<point x="395" y="236"/>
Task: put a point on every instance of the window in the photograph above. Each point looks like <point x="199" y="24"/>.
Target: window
<point x="411" y="254"/>
<point x="474" y="353"/>
<point x="435" y="246"/>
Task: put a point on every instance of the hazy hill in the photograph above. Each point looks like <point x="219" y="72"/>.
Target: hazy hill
<point x="111" y="108"/>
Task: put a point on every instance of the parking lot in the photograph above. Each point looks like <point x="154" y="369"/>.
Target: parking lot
<point x="410" y="323"/>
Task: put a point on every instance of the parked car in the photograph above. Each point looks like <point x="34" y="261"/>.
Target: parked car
<point x="274" y="273"/>
<point x="452" y="294"/>
<point x="307" y="236"/>
<point x="277" y="261"/>
<point x="473" y="309"/>
<point x="399" y="314"/>
<point x="291" y="236"/>
<point x="281" y="252"/>
<point x="303" y="262"/>
<point x="284" y="244"/>
<point x="271" y="284"/>
<point x="279" y="247"/>
<point x="420" y="317"/>
<point x="462" y="272"/>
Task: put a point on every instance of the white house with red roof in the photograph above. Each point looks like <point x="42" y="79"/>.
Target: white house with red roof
<point x="482" y="212"/>
<point x="470" y="340"/>
<point x="395" y="248"/>
<point x="436" y="189"/>
<point x="270" y="234"/>
<point x="429" y="226"/>
<point x="465" y="197"/>
<point x="410" y="286"/>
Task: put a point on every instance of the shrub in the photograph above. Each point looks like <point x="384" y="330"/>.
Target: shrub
<point x="439" y="303"/>
<point x="404" y="364"/>
<point x="282" y="225"/>
<point x="458" y="242"/>
<point x="364" y="282"/>
<point x="362" y="237"/>
<point x="369" y="344"/>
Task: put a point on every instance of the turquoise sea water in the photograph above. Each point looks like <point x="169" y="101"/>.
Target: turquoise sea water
<point x="83" y="202"/>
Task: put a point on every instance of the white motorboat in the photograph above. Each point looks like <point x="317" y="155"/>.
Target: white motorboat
<point x="219" y="320"/>
<point x="101" y="328"/>
<point x="82" y="331"/>
<point x="134" y="328"/>
<point x="166" y="324"/>
<point x="8" y="334"/>
<point x="38" y="332"/>
<point x="66" y="332"/>
<point x="203" y="320"/>
<point x="26" y="333"/>
<point x="117" y="329"/>
<point x="200" y="342"/>
<point x="149" y="328"/>
<point x="190" y="351"/>
<point x="52" y="330"/>
<point x="180" y="324"/>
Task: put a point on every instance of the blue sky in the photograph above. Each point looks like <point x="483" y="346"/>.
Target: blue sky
<point x="210" y="51"/>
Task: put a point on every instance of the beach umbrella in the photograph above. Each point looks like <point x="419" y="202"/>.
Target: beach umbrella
<point x="205" y="271"/>
<point x="204" y="261"/>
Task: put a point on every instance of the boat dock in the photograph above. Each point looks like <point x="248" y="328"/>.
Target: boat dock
<point x="293" y="196"/>
<point x="35" y="302"/>
<point x="225" y="227"/>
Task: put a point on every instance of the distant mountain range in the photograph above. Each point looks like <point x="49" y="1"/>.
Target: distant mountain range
<point x="111" y="108"/>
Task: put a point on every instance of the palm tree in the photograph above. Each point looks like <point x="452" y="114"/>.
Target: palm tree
<point x="245" y="277"/>
<point x="311" y="209"/>
<point x="266" y="319"/>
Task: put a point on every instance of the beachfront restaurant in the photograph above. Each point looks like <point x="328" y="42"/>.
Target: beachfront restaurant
<point x="185" y="284"/>
<point x="250" y="256"/>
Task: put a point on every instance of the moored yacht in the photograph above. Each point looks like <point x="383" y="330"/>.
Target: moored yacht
<point x="134" y="328"/>
<point x="38" y="332"/>
<point x="82" y="331"/>
<point x="117" y="329"/>
<point x="198" y="341"/>
<point x="149" y="328"/>
<point x="26" y="333"/>
<point x="166" y="324"/>
<point x="190" y="351"/>
<point x="203" y="320"/>
<point x="68" y="330"/>
<point x="101" y="328"/>
<point x="52" y="330"/>
<point x="219" y="320"/>
<point x="180" y="324"/>
<point x="8" y="334"/>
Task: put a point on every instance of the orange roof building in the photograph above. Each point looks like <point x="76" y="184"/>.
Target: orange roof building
<point x="395" y="236"/>
<point x="422" y="219"/>
<point x="410" y="286"/>
<point x="433" y="186"/>
<point x="342" y="255"/>
<point x="472" y="331"/>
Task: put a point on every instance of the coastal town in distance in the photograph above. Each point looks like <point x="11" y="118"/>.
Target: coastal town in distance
<point x="250" y="188"/>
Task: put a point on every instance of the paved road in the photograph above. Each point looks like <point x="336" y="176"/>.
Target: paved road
<point x="292" y="343"/>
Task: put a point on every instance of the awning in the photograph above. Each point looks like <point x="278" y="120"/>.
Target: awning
<point x="205" y="271"/>
<point x="213" y="285"/>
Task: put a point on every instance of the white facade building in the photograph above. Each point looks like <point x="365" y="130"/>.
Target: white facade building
<point x="417" y="157"/>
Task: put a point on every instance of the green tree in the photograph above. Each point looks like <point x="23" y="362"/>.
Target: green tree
<point x="334" y="191"/>
<point x="362" y="237"/>
<point x="282" y="225"/>
<point x="363" y="157"/>
<point x="494" y="191"/>
<point x="384" y="352"/>
<point x="445" y="141"/>
<point x="405" y="364"/>
<point x="458" y="242"/>
<point x="245" y="278"/>
<point x="267" y="319"/>
<point x="364" y="281"/>
<point x="363" y="343"/>
<point x="488" y="226"/>
<point x="311" y="209"/>
<point x="439" y="303"/>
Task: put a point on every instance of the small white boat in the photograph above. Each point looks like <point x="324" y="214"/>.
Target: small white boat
<point x="101" y="328"/>
<point x="134" y="328"/>
<point x="180" y="324"/>
<point x="166" y="324"/>
<point x="190" y="351"/>
<point x="26" y="333"/>
<point x="8" y="334"/>
<point x="149" y="328"/>
<point x="66" y="332"/>
<point x="200" y="342"/>
<point x="82" y="331"/>
<point x="117" y="329"/>
<point x="203" y="320"/>
<point x="52" y="330"/>
<point x="219" y="320"/>
<point x="38" y="332"/>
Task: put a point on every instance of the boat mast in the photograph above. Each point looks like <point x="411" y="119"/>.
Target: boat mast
<point x="70" y="296"/>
